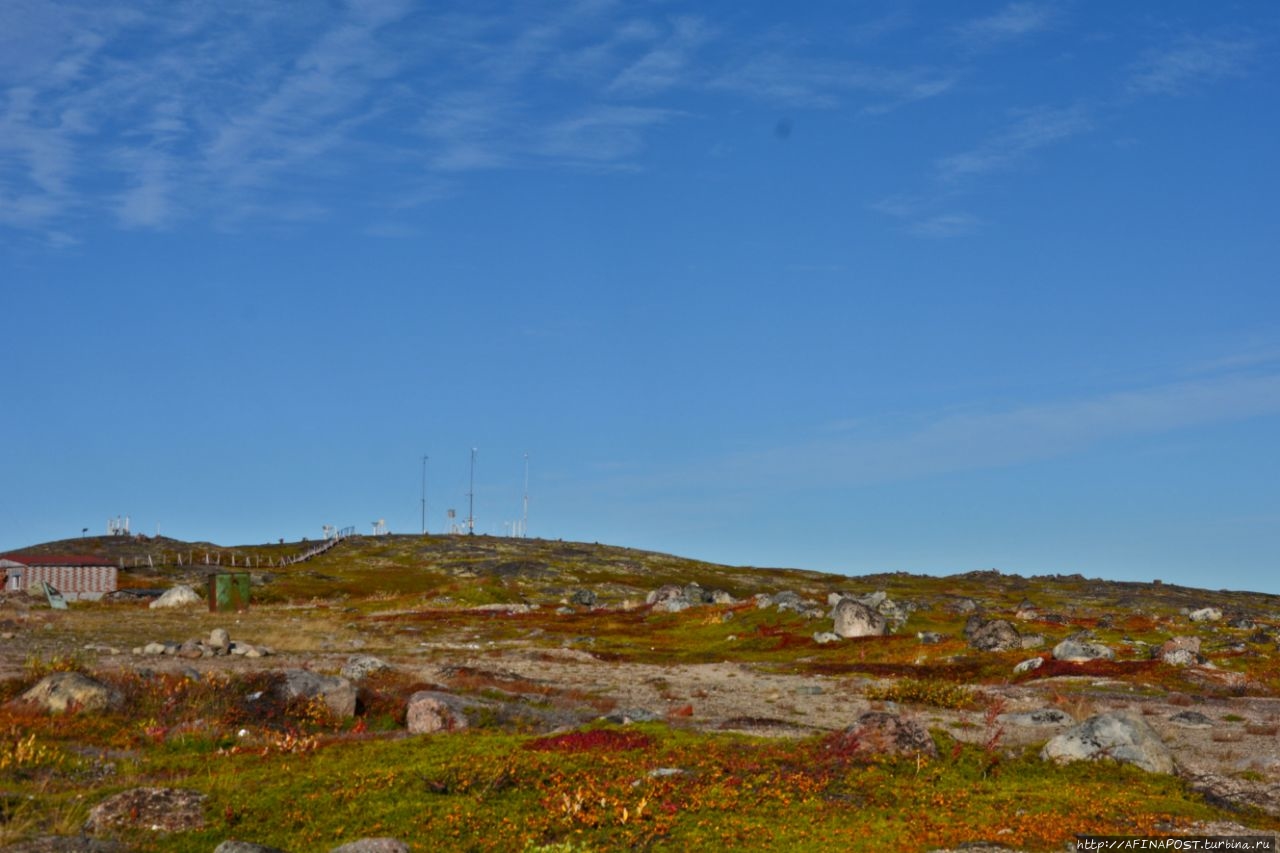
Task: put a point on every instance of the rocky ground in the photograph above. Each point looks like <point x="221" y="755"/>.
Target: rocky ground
<point x="1223" y="739"/>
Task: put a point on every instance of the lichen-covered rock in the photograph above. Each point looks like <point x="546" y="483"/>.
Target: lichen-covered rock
<point x="855" y="619"/>
<point x="1078" y="650"/>
<point x="338" y="693"/>
<point x="1028" y="665"/>
<point x="1205" y="614"/>
<point x="219" y="641"/>
<point x="995" y="636"/>
<point x="156" y="809"/>
<point x="61" y="692"/>
<point x="1117" y="736"/>
<point x="667" y="599"/>
<point x="430" y="711"/>
<point x="1179" y="651"/>
<point x="881" y="733"/>
<point x="231" y="846"/>
<point x="359" y="667"/>
<point x="1041" y="717"/>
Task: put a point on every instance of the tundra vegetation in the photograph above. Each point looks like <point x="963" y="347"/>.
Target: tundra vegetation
<point x="547" y="647"/>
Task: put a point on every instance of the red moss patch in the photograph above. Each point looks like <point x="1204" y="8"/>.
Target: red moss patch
<point x="1091" y="668"/>
<point x="593" y="740"/>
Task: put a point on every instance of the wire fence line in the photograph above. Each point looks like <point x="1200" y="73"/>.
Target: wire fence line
<point x="232" y="559"/>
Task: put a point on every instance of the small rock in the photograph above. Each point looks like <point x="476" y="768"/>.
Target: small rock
<point x="245" y="847"/>
<point x="219" y="640"/>
<point x="1028" y="665"/>
<point x="1118" y="736"/>
<point x="156" y="809"/>
<point x="373" y="845"/>
<point x="191" y="650"/>
<point x="1078" y="651"/>
<point x="1042" y="717"/>
<point x="584" y="598"/>
<point x="824" y="637"/>
<point x="339" y="694"/>
<point x="1205" y="614"/>
<point x="667" y="599"/>
<point x="880" y="733"/>
<point x="66" y="691"/>
<point x="153" y="649"/>
<point x="431" y="711"/>
<point x="1191" y="720"/>
<point x="359" y="667"/>
<point x="1032" y="641"/>
<point x="632" y="715"/>
<point x="930" y="638"/>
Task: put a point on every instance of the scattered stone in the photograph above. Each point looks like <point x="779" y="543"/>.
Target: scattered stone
<point x="1032" y="641"/>
<point x="961" y="604"/>
<point x="61" y="692"/>
<point x="1179" y="651"/>
<point x="219" y="641"/>
<point x="67" y="844"/>
<point x="824" y="637"/>
<point x="1077" y="651"/>
<point x="373" y="845"/>
<point x="667" y="599"/>
<point x="930" y="638"/>
<point x="338" y="693"/>
<point x="1243" y="623"/>
<point x="1118" y="736"/>
<point x="154" y="648"/>
<point x="584" y="598"/>
<point x="881" y="733"/>
<point x="855" y="619"/>
<point x="1042" y="717"/>
<point x="156" y="809"/>
<point x="245" y="847"/>
<point x="179" y="596"/>
<point x="191" y="650"/>
<point x="1205" y="614"/>
<point x="996" y="636"/>
<point x="1027" y="611"/>
<point x="632" y="715"/>
<point x="1028" y="665"/>
<point x="359" y="667"/>
<point x="695" y="594"/>
<point x="721" y="596"/>
<point x="1237" y="793"/>
<point x="1191" y="720"/>
<point x="431" y="711"/>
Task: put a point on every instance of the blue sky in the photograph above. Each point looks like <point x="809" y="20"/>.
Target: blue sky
<point x="846" y="286"/>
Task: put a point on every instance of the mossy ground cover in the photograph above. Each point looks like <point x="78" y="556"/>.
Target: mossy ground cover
<point x="286" y="774"/>
<point x="303" y="784"/>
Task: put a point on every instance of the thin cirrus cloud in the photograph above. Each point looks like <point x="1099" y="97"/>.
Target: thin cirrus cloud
<point x="982" y="440"/>
<point x="1014" y="21"/>
<point x="1189" y="62"/>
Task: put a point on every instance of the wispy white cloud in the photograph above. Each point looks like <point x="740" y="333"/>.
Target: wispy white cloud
<point x="987" y="439"/>
<point x="1014" y="21"/>
<point x="1010" y="146"/>
<point x="603" y="135"/>
<point x="667" y="63"/>
<point x="795" y="81"/>
<point x="1190" y="62"/>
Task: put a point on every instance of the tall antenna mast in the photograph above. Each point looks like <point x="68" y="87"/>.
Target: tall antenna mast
<point x="524" y="521"/>
<point x="424" y="495"/>
<point x="471" y="498"/>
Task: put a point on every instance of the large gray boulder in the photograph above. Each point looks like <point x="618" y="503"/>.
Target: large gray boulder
<point x="339" y="694"/>
<point x="855" y="619"/>
<point x="178" y="596"/>
<point x="1077" y="651"/>
<point x="73" y="691"/>
<point x="668" y="599"/>
<point x="1118" y="736"/>
<point x="995" y="636"/>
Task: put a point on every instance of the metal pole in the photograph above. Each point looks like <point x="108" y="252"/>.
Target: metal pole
<point x="471" y="498"/>
<point x="524" y="521"/>
<point x="424" y="495"/>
